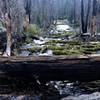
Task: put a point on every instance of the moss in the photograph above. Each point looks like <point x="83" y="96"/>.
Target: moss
<point x="56" y="41"/>
<point x="55" y="48"/>
<point x="59" y="52"/>
<point x="90" y="48"/>
<point x="34" y="49"/>
<point x="28" y="40"/>
<point x="88" y="52"/>
<point x="75" y="52"/>
<point x="64" y="34"/>
<point x="66" y="52"/>
<point x="69" y="33"/>
<point x="52" y="42"/>
<point x="74" y="43"/>
<point x="68" y="48"/>
<point x="75" y="49"/>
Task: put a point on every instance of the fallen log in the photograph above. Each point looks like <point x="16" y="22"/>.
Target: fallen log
<point x="83" y="68"/>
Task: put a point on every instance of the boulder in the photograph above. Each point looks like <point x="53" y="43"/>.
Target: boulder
<point x="86" y="37"/>
<point x="93" y="96"/>
<point x="98" y="36"/>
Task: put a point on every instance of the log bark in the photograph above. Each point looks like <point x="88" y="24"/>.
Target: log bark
<point x="52" y="68"/>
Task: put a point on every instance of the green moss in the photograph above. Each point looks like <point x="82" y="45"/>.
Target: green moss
<point x="64" y="34"/>
<point x="73" y="48"/>
<point x="34" y="49"/>
<point x="90" y="48"/>
<point x="28" y="40"/>
<point x="74" y="43"/>
<point x="67" y="48"/>
<point x="55" y="48"/>
<point x="51" y="42"/>
<point x="59" y="52"/>
<point x="56" y="41"/>
<point x="75" y="52"/>
<point x="69" y="33"/>
<point x="66" y="52"/>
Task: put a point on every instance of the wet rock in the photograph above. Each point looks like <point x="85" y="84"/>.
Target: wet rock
<point x="67" y="89"/>
<point x="98" y="36"/>
<point x="24" y="53"/>
<point x="22" y="97"/>
<point x="94" y="96"/>
<point x="86" y="37"/>
<point x="1" y="53"/>
<point x="36" y="97"/>
<point x="98" y="52"/>
<point x="27" y="46"/>
<point x="34" y="37"/>
<point x="2" y="29"/>
<point x="50" y="93"/>
<point x="48" y="53"/>
<point x="39" y="42"/>
<point x="91" y="86"/>
<point x="6" y="97"/>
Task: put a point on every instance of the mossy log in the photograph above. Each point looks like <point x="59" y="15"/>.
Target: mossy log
<point x="84" y="68"/>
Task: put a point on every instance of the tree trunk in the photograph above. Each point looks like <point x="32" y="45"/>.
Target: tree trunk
<point x="93" y="23"/>
<point x="82" y="17"/>
<point x="26" y="23"/>
<point x="87" y="16"/>
<point x="9" y="43"/>
<point x="93" y="26"/>
<point x="28" y="9"/>
<point x="8" y="26"/>
<point x="84" y="20"/>
<point x="74" y="11"/>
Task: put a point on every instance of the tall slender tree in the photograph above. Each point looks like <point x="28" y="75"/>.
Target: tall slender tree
<point x="85" y="15"/>
<point x="82" y="17"/>
<point x="93" y="24"/>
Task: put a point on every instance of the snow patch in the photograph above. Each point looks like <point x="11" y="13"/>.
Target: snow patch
<point x="66" y="28"/>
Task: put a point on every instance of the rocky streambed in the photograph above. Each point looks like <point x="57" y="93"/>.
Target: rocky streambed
<point x="56" y="90"/>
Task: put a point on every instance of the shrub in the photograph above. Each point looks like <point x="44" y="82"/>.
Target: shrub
<point x="33" y="29"/>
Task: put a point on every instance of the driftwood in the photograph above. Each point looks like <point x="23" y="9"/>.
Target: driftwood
<point x="84" y="68"/>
